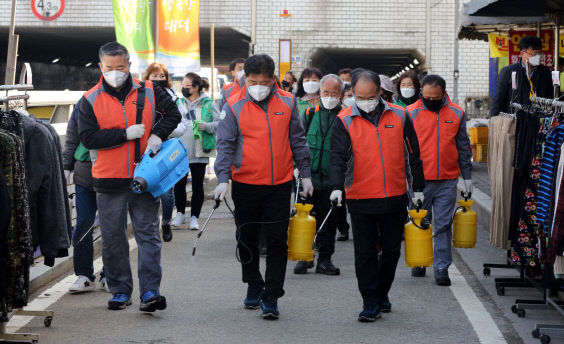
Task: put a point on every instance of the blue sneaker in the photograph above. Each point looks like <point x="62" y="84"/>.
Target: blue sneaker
<point x="254" y="295"/>
<point x="370" y="313"/>
<point x="119" y="301"/>
<point x="270" y="309"/>
<point x="386" y="307"/>
<point x="151" y="301"/>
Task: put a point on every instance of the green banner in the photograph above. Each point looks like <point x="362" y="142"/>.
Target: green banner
<point x="132" y="20"/>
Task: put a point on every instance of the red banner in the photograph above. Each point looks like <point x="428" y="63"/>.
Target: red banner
<point x="547" y="37"/>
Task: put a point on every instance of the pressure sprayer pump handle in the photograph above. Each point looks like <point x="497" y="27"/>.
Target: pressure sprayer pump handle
<point x="465" y="195"/>
<point x="419" y="205"/>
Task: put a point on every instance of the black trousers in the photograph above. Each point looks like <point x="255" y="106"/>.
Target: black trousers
<point x="264" y="204"/>
<point x="325" y="238"/>
<point x="341" y="213"/>
<point x="198" y="171"/>
<point x="375" y="274"/>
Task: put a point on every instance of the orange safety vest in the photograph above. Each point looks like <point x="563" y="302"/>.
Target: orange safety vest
<point x="266" y="156"/>
<point x="436" y="134"/>
<point x="377" y="169"/>
<point x="119" y="162"/>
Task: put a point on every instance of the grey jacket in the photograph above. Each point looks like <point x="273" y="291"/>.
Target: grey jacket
<point x="230" y="139"/>
<point x="188" y="136"/>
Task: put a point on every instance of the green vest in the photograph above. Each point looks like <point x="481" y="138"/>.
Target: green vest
<point x="319" y="142"/>
<point x="208" y="140"/>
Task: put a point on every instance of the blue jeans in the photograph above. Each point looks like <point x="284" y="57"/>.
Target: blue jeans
<point x="167" y="201"/>
<point x="83" y="255"/>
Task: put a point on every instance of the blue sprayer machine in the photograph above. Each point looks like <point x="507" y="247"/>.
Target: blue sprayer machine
<point x="157" y="174"/>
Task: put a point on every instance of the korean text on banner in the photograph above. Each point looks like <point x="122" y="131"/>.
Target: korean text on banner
<point x="498" y="45"/>
<point x="547" y="37"/>
<point x="132" y="20"/>
<point x="179" y="35"/>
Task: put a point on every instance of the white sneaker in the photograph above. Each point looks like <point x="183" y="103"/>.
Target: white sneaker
<point x="82" y="284"/>
<point x="104" y="285"/>
<point x="194" y="223"/>
<point x="179" y="220"/>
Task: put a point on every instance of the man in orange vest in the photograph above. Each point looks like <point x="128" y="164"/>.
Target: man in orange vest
<point x="259" y="137"/>
<point x="369" y="144"/>
<point x="236" y="70"/>
<point x="445" y="150"/>
<point x="117" y="121"/>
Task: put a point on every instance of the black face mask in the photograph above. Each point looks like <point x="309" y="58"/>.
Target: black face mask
<point x="161" y="83"/>
<point x="285" y="83"/>
<point x="186" y="92"/>
<point x="433" y="105"/>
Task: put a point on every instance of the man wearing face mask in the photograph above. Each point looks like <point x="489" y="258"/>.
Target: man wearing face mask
<point x="531" y="78"/>
<point x="116" y="132"/>
<point x="236" y="70"/>
<point x="259" y="137"/>
<point x="318" y="122"/>
<point x="368" y="146"/>
<point x="445" y="150"/>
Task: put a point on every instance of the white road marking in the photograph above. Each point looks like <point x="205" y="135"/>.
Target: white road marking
<point x="483" y="324"/>
<point x="52" y="295"/>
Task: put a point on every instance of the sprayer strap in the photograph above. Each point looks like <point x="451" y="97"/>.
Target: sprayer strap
<point x="139" y="118"/>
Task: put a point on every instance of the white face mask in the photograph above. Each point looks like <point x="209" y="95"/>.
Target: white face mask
<point x="240" y="74"/>
<point x="329" y="102"/>
<point x="367" y="105"/>
<point x="407" y="92"/>
<point x="349" y="101"/>
<point x="259" y="92"/>
<point x="535" y="60"/>
<point x="115" y="78"/>
<point x="311" y="87"/>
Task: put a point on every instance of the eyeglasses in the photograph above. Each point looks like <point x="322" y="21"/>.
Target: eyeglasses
<point x="532" y="54"/>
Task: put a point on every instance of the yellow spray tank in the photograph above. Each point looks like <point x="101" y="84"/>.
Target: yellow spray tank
<point x="418" y="240"/>
<point x="301" y="234"/>
<point x="465" y="224"/>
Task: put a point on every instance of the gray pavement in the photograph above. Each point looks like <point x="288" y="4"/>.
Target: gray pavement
<point x="480" y="177"/>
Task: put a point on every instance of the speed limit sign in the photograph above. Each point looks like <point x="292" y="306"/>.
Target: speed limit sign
<point x="47" y="9"/>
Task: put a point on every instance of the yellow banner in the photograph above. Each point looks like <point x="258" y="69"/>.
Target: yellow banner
<point x="179" y="35"/>
<point x="499" y="45"/>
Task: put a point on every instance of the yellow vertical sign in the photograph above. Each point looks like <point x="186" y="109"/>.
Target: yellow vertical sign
<point x="285" y="57"/>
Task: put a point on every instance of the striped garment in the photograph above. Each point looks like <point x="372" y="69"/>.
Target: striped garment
<point x="550" y="161"/>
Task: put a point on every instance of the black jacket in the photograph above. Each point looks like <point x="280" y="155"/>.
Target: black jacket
<point x="504" y="94"/>
<point x="82" y="169"/>
<point x="341" y="153"/>
<point x="94" y="138"/>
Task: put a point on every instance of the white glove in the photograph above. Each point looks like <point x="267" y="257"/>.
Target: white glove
<point x="179" y="131"/>
<point x="336" y="195"/>
<point x="154" y="143"/>
<point x="296" y="173"/>
<point x="135" y="131"/>
<point x="220" y="191"/>
<point x="202" y="126"/>
<point x="468" y="185"/>
<point x="417" y="196"/>
<point x="307" y="186"/>
<point x="67" y="176"/>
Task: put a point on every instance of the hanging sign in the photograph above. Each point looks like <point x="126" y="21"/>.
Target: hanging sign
<point x="498" y="45"/>
<point x="47" y="10"/>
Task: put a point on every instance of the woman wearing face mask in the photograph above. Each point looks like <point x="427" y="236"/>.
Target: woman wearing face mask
<point x="157" y="73"/>
<point x="288" y="82"/>
<point x="408" y="89"/>
<point x="348" y="97"/>
<point x="308" y="88"/>
<point x="201" y="121"/>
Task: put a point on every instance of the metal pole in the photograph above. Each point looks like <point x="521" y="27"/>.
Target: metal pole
<point x="556" y="42"/>
<point x="253" y="27"/>
<point x="212" y="55"/>
<point x="12" y="57"/>
<point x="455" y="62"/>
<point x="428" y="37"/>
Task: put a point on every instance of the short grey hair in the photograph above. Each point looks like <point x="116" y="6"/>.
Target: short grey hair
<point x="113" y="49"/>
<point x="334" y="77"/>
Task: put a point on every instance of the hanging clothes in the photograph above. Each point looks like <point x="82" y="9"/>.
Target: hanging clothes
<point x="555" y="236"/>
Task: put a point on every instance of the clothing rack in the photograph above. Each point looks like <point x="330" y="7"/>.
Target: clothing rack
<point x="8" y="103"/>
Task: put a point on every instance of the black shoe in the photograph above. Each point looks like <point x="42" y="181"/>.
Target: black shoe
<point x="270" y="309"/>
<point x="386" y="307"/>
<point x="302" y="266"/>
<point x="343" y="236"/>
<point x="167" y="232"/>
<point x="441" y="277"/>
<point x="370" y="313"/>
<point x="327" y="268"/>
<point x="254" y="297"/>
<point x="418" y="272"/>
<point x="262" y="250"/>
